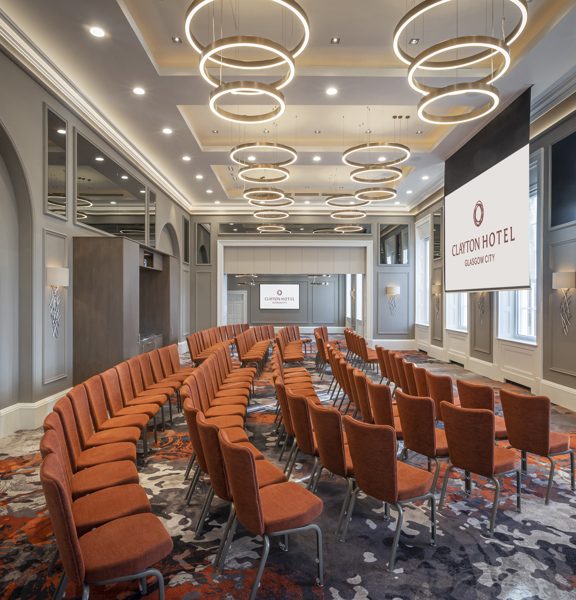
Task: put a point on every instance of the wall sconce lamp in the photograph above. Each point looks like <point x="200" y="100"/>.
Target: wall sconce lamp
<point x="56" y="277"/>
<point x="393" y="291"/>
<point x="437" y="291"/>
<point x="565" y="281"/>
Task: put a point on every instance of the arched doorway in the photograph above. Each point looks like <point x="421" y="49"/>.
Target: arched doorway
<point x="16" y="289"/>
<point x="168" y="241"/>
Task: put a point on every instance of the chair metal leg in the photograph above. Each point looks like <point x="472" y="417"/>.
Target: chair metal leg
<point x="53" y="562"/>
<point x="85" y="591"/>
<point x="320" y="558"/>
<point x="263" y="560"/>
<point x="293" y="463"/>
<point x="396" y="536"/>
<point x="285" y="442"/>
<point x="349" y="515"/>
<point x="228" y="543"/>
<point x="155" y="426"/>
<point x="315" y="486"/>
<point x="572" y="482"/>
<point x="550" y="478"/>
<point x="432" y="520"/>
<point x="443" y="494"/>
<point x="313" y="473"/>
<point x="495" y="505"/>
<point x="225" y="534"/>
<point x="467" y="483"/>
<point x="518" y="491"/>
<point x="524" y="462"/>
<point x="145" y="442"/>
<point x="193" y="484"/>
<point x="204" y="512"/>
<point x="60" y="587"/>
<point x="436" y="473"/>
<point x="290" y="455"/>
<point x="344" y="505"/>
<point x="190" y="465"/>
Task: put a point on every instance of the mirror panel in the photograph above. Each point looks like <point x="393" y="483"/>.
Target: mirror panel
<point x="186" y="238"/>
<point x="438" y="234"/>
<point x="56" y="136"/>
<point x="108" y="198"/>
<point x="202" y="243"/>
<point x="394" y="243"/>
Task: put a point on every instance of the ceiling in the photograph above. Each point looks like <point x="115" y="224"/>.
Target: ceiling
<point x="138" y="51"/>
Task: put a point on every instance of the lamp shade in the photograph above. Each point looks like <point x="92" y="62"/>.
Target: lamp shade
<point x="393" y="290"/>
<point x="563" y="280"/>
<point x="436" y="288"/>
<point x="58" y="276"/>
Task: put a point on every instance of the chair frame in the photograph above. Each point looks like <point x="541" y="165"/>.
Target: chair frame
<point x="524" y="468"/>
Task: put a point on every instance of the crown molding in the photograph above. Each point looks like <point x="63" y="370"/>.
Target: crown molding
<point x="555" y="94"/>
<point x="25" y="52"/>
<point x="435" y="185"/>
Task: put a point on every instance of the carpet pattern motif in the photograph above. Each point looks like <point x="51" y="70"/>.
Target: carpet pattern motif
<point x="531" y="555"/>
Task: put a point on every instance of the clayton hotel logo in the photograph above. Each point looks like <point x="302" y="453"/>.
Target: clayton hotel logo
<point x="484" y="242"/>
<point x="279" y="298"/>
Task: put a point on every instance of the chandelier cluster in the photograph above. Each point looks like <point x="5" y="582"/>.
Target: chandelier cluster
<point x="488" y="47"/>
<point x="217" y="53"/>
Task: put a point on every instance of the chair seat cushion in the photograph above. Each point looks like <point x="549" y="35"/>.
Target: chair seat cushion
<point x="500" y="428"/>
<point x="235" y="434"/>
<point x="559" y="442"/>
<point x="103" y="476"/>
<point x="110" y="436"/>
<point x="230" y="401"/>
<point x="441" y="442"/>
<point x="149" y="410"/>
<point x="295" y="370"/>
<point x="235" y="384"/>
<point x="106" y="454"/>
<point x="268" y="474"/>
<point x="504" y="460"/>
<point x="232" y="392"/>
<point x="164" y="385"/>
<point x="156" y="392"/>
<point x="226" y="411"/>
<point x="124" y="547"/>
<point x="257" y="454"/>
<point x="107" y="505"/>
<point x="158" y="400"/>
<point x="412" y="482"/>
<point x="227" y="422"/>
<point x="135" y="420"/>
<point x="288" y="506"/>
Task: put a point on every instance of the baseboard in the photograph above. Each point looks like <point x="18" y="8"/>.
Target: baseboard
<point x="394" y="344"/>
<point x="27" y="415"/>
<point x="559" y="394"/>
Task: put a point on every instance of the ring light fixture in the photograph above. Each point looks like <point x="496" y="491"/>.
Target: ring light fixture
<point x="271" y="214"/>
<point x="266" y="204"/>
<point x="263" y="194"/>
<point x="348" y="214"/>
<point x="258" y="146"/>
<point x="241" y="87"/>
<point x="326" y="230"/>
<point x="284" y="173"/>
<point x="345" y="201"/>
<point x="391" y="146"/>
<point x="348" y="228"/>
<point x="376" y="168"/>
<point x="271" y="228"/>
<point x="376" y="194"/>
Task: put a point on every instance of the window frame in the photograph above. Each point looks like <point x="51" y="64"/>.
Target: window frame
<point x="423" y="271"/>
<point x="450" y="324"/>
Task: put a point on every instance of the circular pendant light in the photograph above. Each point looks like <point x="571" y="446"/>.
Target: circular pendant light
<point x="348" y="214"/>
<point x="271" y="228"/>
<point x="376" y="168"/>
<point x="263" y="194"/>
<point x="427" y="5"/>
<point x="457" y="90"/>
<point x="345" y="201"/>
<point x="266" y="204"/>
<point x="328" y="230"/>
<point x="258" y="146"/>
<point x="271" y="214"/>
<point x="290" y="5"/>
<point x="376" y="194"/>
<point x="393" y="147"/>
<point x="239" y="87"/>
<point x="348" y="228"/>
<point x="247" y="41"/>
<point x="284" y="173"/>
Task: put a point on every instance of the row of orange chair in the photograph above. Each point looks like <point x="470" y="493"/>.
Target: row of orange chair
<point x="290" y="344"/>
<point x="202" y="343"/>
<point x="101" y="516"/>
<point x="358" y="351"/>
<point x="260" y="497"/>
<point x="252" y="351"/>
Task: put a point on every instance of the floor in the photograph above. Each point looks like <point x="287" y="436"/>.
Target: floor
<point x="531" y="555"/>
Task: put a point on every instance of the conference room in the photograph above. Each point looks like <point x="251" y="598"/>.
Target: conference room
<point x="286" y="298"/>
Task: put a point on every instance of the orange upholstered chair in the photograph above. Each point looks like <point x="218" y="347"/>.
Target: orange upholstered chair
<point x="401" y="373"/>
<point x="470" y="435"/>
<point x="383" y="410"/>
<point x="441" y="390"/>
<point x="473" y="395"/>
<point x="388" y="365"/>
<point x="380" y="475"/>
<point x="333" y="450"/>
<point x="382" y="363"/>
<point x="418" y="418"/>
<point x="528" y="422"/>
<point x="139" y="384"/>
<point x="421" y="381"/>
<point x="117" y="551"/>
<point x="361" y="386"/>
<point x="276" y="510"/>
<point x="410" y="379"/>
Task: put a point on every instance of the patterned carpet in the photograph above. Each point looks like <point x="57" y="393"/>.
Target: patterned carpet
<point x="531" y="555"/>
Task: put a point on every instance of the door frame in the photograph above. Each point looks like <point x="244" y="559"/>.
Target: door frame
<point x="221" y="287"/>
<point x="244" y="293"/>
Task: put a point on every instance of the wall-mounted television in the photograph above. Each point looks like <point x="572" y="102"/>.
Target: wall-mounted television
<point x="278" y="296"/>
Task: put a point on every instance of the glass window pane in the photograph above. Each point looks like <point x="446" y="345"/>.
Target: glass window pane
<point x="348" y="297"/>
<point x="109" y="198"/>
<point x="359" y="297"/>
<point x="56" y="136"/>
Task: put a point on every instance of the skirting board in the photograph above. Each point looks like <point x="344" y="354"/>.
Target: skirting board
<point x="27" y="415"/>
<point x="559" y="394"/>
<point x="394" y="344"/>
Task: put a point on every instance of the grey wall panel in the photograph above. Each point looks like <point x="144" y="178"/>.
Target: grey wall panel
<point x="481" y="325"/>
<point x="325" y="303"/>
<point x="388" y="323"/>
<point x="203" y="303"/>
<point x="185" y="302"/>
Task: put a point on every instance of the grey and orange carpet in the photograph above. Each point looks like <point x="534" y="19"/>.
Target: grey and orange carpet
<point x="531" y="555"/>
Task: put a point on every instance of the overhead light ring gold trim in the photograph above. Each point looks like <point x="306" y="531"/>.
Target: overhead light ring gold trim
<point x="348" y="214"/>
<point x="265" y="204"/>
<point x="234" y="87"/>
<point x="353" y="202"/>
<point x="285" y="173"/>
<point x="397" y="174"/>
<point x="271" y="214"/>
<point x="271" y="228"/>
<point x="381" y="145"/>
<point x="348" y="228"/>
<point x="382" y="193"/>
<point x="264" y="194"/>
<point x="255" y="146"/>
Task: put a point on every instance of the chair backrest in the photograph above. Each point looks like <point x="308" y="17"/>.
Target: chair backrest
<point x="527" y="421"/>
<point x="470" y="434"/>
<point x="321" y="348"/>
<point x="229" y="332"/>
<point x="474" y="395"/>
<point x="146" y="369"/>
<point x="245" y="326"/>
<point x="421" y="381"/>
<point x="284" y="406"/>
<point x="64" y="410"/>
<point x="96" y="400"/>
<point x="362" y="395"/>
<point x="441" y="390"/>
<point x="237" y="329"/>
<point x="381" y="361"/>
<point x="329" y="438"/>
<point x="200" y="380"/>
<point x="191" y="414"/>
<point x="380" y="398"/>
<point x="373" y="452"/>
<point x="301" y="422"/>
<point x="241" y="471"/>
<point x="410" y="379"/>
<point x="175" y="357"/>
<point x="389" y="371"/>
<point x="352" y="395"/>
<point x="59" y="505"/>
<point x="81" y="408"/>
<point x="418" y="419"/>
<point x="125" y="382"/>
<point x="401" y="373"/>
<point x="213" y="457"/>
<point x="136" y="375"/>
<point x="156" y="365"/>
<point x="112" y="391"/>
<point x="166" y="361"/>
<point x="53" y="423"/>
<point x="394" y="368"/>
